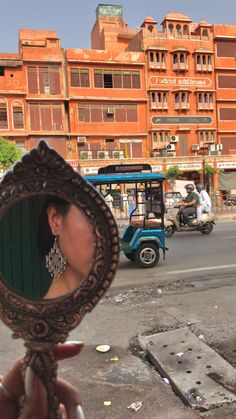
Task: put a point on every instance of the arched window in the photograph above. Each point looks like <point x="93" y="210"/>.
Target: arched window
<point x="211" y="98"/>
<point x="153" y="97"/>
<point x="150" y="28"/>
<point x="159" y="98"/>
<point x="154" y="138"/>
<point x="175" y="59"/>
<point x="204" y="60"/>
<point x="161" y="137"/>
<point x="184" y="97"/>
<point x="170" y="29"/>
<point x="205" y="98"/>
<point x="200" y="98"/>
<point x="163" y="57"/>
<point x="178" y="31"/>
<point x="181" y="58"/>
<point x="151" y="57"/>
<point x="176" y="98"/>
<point x="198" y="59"/>
<point x="18" y="115"/>
<point x="201" y="136"/>
<point x="165" y="97"/>
<point x="207" y="136"/>
<point x="3" y="114"/>
<point x="205" y="33"/>
<point x="158" y="57"/>
<point x="185" y="30"/>
<point x="209" y="60"/>
<point x="212" y="136"/>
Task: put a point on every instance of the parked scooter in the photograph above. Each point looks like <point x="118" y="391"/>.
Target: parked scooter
<point x="172" y="224"/>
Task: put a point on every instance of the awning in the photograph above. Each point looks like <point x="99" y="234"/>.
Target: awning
<point x="227" y="181"/>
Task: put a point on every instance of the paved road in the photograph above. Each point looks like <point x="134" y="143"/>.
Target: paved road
<point x="190" y="256"/>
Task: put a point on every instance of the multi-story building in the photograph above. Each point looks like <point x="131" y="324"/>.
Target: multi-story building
<point x="163" y="95"/>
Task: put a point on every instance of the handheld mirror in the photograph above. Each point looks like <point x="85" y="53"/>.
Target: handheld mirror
<point x="59" y="251"/>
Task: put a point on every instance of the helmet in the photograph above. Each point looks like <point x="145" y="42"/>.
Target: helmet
<point x="189" y="186"/>
<point x="200" y="187"/>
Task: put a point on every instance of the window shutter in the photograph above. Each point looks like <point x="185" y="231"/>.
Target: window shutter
<point x="132" y="114"/>
<point x="127" y="80"/>
<point x="74" y="77"/>
<point x="57" y="118"/>
<point x="34" y="117"/>
<point x="43" y="79"/>
<point x="98" y="78"/>
<point x="117" y="79"/>
<point x="96" y="114"/>
<point x="54" y="81"/>
<point x="18" y="120"/>
<point x="84" y="77"/>
<point x="32" y="79"/>
<point x="136" y="80"/>
<point x="46" y="117"/>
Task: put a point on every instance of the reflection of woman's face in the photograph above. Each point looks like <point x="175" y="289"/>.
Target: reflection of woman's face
<point x="75" y="239"/>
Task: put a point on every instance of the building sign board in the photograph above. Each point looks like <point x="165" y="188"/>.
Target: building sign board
<point x="226" y="165"/>
<point x="89" y="170"/>
<point x="157" y="168"/>
<point x="186" y="166"/>
<point x="128" y="141"/>
<point x="161" y="81"/>
<point x="173" y="120"/>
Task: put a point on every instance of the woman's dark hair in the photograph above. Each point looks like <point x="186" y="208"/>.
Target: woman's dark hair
<point x="45" y="236"/>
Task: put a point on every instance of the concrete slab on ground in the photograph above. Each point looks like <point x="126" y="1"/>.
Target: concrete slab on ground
<point x="185" y="360"/>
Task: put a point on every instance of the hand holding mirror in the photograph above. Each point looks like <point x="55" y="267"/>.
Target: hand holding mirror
<point x="59" y="250"/>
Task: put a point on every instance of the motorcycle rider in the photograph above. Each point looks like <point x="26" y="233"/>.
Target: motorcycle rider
<point x="205" y="202"/>
<point x="189" y="205"/>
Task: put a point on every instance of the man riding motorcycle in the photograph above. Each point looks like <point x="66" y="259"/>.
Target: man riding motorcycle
<point x="188" y="206"/>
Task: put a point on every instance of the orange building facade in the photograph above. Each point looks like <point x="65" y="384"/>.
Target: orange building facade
<point x="160" y="95"/>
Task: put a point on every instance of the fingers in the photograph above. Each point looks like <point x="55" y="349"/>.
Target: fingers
<point x="69" y="396"/>
<point x="67" y="350"/>
<point x="36" y="404"/>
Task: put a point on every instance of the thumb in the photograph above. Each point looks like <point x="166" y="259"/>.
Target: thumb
<point x="36" y="404"/>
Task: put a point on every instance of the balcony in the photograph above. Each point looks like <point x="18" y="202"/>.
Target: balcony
<point x="180" y="66"/>
<point x="157" y="66"/>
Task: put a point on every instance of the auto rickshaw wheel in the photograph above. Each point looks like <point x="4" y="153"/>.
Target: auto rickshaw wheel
<point x="147" y="255"/>
<point x="130" y="256"/>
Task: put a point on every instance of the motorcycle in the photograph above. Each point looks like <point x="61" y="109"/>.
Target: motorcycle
<point x="172" y="224"/>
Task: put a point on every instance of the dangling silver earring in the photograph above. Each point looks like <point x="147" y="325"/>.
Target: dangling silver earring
<point x="55" y="261"/>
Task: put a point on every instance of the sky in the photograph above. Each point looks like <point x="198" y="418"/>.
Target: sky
<point x="74" y="19"/>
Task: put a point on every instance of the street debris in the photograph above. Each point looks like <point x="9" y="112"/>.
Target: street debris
<point x="115" y="359"/>
<point x="166" y="380"/>
<point x="103" y="348"/>
<point x="107" y="403"/>
<point x="179" y="354"/>
<point x="119" y="299"/>
<point x="135" y="406"/>
<point x="159" y="291"/>
<point x="202" y="337"/>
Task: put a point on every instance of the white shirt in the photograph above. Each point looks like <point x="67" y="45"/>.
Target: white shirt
<point x="205" y="199"/>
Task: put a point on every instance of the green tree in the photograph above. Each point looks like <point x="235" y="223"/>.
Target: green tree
<point x="172" y="174"/>
<point x="9" y="154"/>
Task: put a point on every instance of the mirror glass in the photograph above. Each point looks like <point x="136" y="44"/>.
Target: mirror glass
<point x="46" y="247"/>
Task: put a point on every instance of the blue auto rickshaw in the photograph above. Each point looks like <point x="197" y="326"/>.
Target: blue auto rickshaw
<point x="144" y="235"/>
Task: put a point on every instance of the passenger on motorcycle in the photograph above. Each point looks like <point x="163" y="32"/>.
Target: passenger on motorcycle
<point x="205" y="202"/>
<point x="189" y="205"/>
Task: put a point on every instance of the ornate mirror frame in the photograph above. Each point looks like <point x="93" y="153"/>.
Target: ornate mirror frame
<point x="43" y="323"/>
